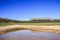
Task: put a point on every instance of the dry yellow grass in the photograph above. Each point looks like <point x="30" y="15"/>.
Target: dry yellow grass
<point x="55" y="29"/>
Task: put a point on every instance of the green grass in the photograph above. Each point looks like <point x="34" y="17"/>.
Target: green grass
<point x="5" y="24"/>
<point x="42" y="24"/>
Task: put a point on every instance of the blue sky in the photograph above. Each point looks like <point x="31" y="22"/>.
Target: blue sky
<point x="27" y="9"/>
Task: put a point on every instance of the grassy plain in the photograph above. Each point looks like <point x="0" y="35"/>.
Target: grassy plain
<point x="50" y="27"/>
<point x="40" y="24"/>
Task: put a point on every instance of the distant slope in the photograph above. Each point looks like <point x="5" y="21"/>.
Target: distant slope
<point x="5" y="20"/>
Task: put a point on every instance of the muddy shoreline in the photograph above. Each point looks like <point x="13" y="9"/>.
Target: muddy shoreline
<point x="53" y="29"/>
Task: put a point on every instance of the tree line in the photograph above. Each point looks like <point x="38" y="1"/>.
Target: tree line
<point x="30" y="21"/>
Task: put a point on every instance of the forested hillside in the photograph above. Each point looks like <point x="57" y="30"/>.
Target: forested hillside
<point x="5" y="20"/>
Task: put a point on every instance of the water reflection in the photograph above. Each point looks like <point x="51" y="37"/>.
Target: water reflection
<point x="28" y="35"/>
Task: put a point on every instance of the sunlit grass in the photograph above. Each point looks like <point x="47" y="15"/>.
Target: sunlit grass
<point x="5" y="24"/>
<point x="40" y="24"/>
